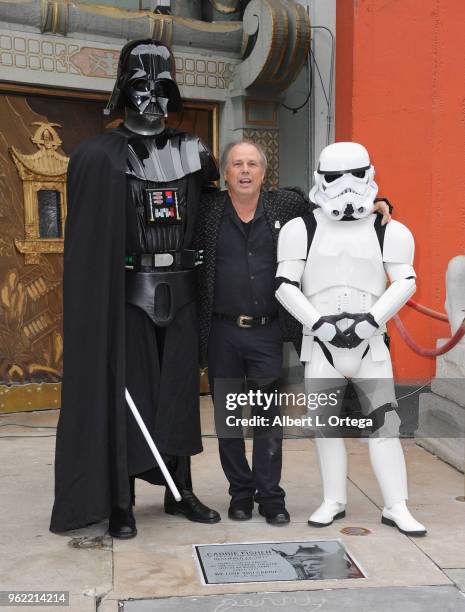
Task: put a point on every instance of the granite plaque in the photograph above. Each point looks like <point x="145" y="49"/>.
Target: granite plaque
<point x="275" y="562"/>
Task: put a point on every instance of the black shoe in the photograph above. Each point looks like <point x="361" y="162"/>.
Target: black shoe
<point x="191" y="507"/>
<point x="275" y="514"/>
<point x="241" y="509"/>
<point x="122" y="524"/>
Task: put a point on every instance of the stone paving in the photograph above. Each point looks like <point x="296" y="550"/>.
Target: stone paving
<point x="157" y="571"/>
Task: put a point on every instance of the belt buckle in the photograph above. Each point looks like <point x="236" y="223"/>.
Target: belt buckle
<point x="163" y="260"/>
<point x="242" y="321"/>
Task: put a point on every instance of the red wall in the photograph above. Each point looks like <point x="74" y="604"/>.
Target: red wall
<point x="400" y="91"/>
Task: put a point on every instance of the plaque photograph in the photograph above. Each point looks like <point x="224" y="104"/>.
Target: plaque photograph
<point x="276" y="561"/>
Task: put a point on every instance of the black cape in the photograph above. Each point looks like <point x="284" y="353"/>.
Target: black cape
<point x="91" y="471"/>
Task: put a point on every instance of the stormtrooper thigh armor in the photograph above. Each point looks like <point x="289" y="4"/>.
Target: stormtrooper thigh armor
<point x="332" y="277"/>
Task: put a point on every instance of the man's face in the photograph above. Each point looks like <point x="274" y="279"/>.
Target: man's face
<point x="313" y="567"/>
<point x="244" y="171"/>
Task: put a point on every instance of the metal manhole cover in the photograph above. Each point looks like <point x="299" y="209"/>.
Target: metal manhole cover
<point x="355" y="531"/>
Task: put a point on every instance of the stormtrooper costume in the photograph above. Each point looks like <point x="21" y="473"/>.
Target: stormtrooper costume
<point x="332" y="274"/>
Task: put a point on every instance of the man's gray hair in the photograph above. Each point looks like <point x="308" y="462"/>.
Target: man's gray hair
<point x="227" y="150"/>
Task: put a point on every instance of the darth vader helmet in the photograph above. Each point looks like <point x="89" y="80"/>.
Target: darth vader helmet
<point x="344" y="182"/>
<point x="145" y="81"/>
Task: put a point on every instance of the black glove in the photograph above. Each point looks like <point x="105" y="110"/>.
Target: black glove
<point x="352" y="337"/>
<point x="325" y="324"/>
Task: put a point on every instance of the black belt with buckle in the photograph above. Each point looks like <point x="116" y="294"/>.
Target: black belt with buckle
<point x="246" y="321"/>
<point x="151" y="261"/>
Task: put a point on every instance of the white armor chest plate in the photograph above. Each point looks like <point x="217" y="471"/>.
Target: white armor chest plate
<point x="345" y="265"/>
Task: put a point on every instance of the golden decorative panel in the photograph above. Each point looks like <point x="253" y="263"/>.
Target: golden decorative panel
<point x="24" y="398"/>
<point x="31" y="268"/>
<point x="41" y="172"/>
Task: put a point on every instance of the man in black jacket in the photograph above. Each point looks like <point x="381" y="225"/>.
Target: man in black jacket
<point x="242" y="327"/>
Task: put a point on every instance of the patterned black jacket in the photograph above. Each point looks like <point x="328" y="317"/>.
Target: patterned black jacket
<point x="280" y="206"/>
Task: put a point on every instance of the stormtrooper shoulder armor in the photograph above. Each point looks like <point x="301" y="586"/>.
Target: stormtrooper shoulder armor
<point x="292" y="241"/>
<point x="399" y="245"/>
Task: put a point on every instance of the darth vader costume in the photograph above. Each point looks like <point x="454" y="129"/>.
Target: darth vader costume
<point x="129" y="304"/>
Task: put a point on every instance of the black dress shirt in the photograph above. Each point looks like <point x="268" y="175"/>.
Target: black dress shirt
<point x="245" y="265"/>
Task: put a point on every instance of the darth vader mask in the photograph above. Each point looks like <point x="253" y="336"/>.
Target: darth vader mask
<point x="145" y="80"/>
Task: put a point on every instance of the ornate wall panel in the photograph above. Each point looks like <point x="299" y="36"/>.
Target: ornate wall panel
<point x="33" y="163"/>
<point x="48" y="60"/>
<point x="37" y="135"/>
<point x="278" y="41"/>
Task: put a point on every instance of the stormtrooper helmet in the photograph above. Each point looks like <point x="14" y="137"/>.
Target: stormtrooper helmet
<point x="344" y="182"/>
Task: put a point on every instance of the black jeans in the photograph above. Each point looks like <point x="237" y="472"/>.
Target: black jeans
<point x="241" y="359"/>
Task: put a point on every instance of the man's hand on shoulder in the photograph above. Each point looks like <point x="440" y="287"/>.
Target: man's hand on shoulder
<point x="383" y="207"/>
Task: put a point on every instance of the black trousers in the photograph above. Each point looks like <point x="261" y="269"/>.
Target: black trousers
<point x="238" y="360"/>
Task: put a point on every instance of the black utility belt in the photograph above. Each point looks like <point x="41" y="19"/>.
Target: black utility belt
<point x="246" y="321"/>
<point x="152" y="261"/>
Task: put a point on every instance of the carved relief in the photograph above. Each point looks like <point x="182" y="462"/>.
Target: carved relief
<point x="272" y="40"/>
<point x="101" y="63"/>
<point x="26" y="321"/>
<point x="43" y="175"/>
<point x="192" y="70"/>
<point x="30" y="295"/>
<point x="279" y="42"/>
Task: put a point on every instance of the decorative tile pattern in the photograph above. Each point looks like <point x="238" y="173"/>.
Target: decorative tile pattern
<point x="35" y="53"/>
<point x="40" y="53"/>
<point x="269" y="140"/>
<point x="193" y="72"/>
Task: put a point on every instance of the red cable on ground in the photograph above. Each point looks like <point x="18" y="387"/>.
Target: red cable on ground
<point x="459" y="334"/>
<point x="428" y="311"/>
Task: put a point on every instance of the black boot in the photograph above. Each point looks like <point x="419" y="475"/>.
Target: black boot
<point x="190" y="506"/>
<point x="122" y="523"/>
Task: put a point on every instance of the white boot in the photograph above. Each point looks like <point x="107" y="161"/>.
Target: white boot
<point x="328" y="512"/>
<point x="332" y="458"/>
<point x="399" y="516"/>
<point x="387" y="459"/>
